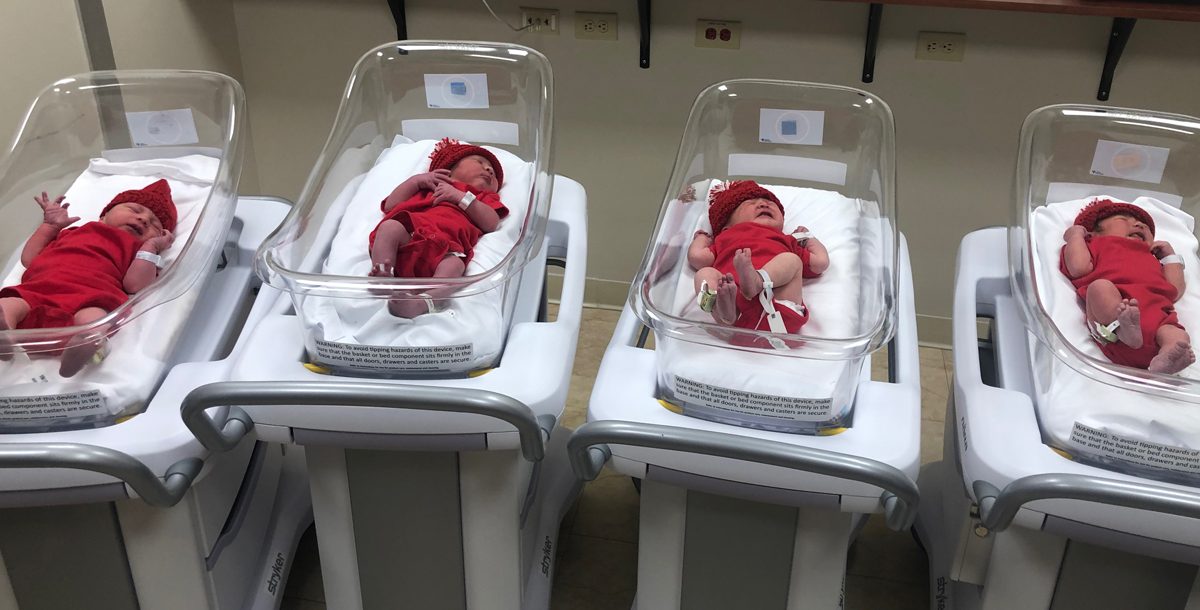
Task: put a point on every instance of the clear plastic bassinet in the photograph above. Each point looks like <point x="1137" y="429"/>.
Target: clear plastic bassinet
<point x="90" y="137"/>
<point x="827" y="153"/>
<point x="400" y="100"/>
<point x="1071" y="155"/>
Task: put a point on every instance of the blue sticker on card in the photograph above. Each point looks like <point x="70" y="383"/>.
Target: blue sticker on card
<point x="456" y="90"/>
<point x="458" y="87"/>
<point x="787" y="128"/>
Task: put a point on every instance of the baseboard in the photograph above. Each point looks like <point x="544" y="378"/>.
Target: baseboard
<point x="934" y="331"/>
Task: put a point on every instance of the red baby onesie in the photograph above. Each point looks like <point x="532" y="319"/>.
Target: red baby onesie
<point x="82" y="267"/>
<point x="764" y="243"/>
<point x="437" y="229"/>
<point x="1137" y="274"/>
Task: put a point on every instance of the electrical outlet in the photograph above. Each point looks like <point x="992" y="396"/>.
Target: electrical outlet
<point x="596" y="26"/>
<point x="718" y="34"/>
<point x="941" y="46"/>
<point x="543" y="20"/>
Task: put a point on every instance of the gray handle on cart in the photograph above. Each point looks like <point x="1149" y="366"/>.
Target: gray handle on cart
<point x="589" y="451"/>
<point x="350" y="394"/>
<point x="127" y="469"/>
<point x="997" y="508"/>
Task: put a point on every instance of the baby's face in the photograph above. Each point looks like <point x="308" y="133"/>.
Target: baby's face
<point x="135" y="218"/>
<point x="476" y="171"/>
<point x="761" y="211"/>
<point x="1124" y="225"/>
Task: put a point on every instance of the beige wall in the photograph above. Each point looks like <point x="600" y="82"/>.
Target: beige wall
<point x="618" y="126"/>
<point x="181" y="34"/>
<point x="41" y="43"/>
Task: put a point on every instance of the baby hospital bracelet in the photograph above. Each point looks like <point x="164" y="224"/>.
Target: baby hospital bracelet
<point x="802" y="237"/>
<point x="466" y="200"/>
<point x="149" y="256"/>
<point x="1171" y="258"/>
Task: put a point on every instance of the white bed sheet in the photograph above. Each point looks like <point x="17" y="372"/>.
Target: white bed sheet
<point x="802" y="389"/>
<point x="31" y="389"/>
<point x="1095" y="418"/>
<point x="476" y="320"/>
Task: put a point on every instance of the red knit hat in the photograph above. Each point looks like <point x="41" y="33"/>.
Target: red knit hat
<point x="448" y="152"/>
<point x="1100" y="209"/>
<point x="156" y="197"/>
<point x="723" y="199"/>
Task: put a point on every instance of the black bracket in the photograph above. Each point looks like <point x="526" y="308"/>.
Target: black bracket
<point x="644" y="22"/>
<point x="398" y="15"/>
<point x="1122" y="27"/>
<point x="873" y="18"/>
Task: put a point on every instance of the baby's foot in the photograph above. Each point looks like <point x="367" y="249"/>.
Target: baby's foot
<point x="1130" y="318"/>
<point x="410" y="307"/>
<point x="78" y="354"/>
<point x="382" y="269"/>
<point x="1173" y="358"/>
<point x="725" y="311"/>
<point x="6" y="349"/>
<point x="747" y="276"/>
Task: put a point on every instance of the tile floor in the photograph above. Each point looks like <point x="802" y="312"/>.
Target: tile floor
<point x="597" y="554"/>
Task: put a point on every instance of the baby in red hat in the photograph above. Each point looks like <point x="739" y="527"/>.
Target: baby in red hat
<point x="76" y="276"/>
<point x="433" y="220"/>
<point x="1129" y="284"/>
<point x="757" y="269"/>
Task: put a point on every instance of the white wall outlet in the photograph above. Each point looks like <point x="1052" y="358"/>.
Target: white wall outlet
<point x="596" y="26"/>
<point x="718" y="34"/>
<point x="543" y="20"/>
<point x="941" y="46"/>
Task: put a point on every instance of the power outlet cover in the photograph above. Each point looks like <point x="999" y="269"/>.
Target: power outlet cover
<point x="718" y="34"/>
<point x="596" y="26"/>
<point x="941" y="46"/>
<point x="541" y="20"/>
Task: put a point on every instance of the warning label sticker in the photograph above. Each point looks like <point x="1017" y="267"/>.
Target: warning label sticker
<point x="398" y="358"/>
<point x="74" y="404"/>
<point x="752" y="403"/>
<point x="1155" y="455"/>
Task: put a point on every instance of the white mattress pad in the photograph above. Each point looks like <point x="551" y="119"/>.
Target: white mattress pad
<point x="471" y="327"/>
<point x="764" y="385"/>
<point x="31" y="389"/>
<point x="1113" y="424"/>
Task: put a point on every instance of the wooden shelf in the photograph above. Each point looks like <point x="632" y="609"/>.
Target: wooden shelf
<point x="1124" y="14"/>
<point x="1177" y="10"/>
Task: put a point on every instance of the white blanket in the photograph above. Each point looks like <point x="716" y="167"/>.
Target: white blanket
<point x="799" y="389"/>
<point x="1094" y="418"/>
<point x="31" y="389"/>
<point x="473" y="324"/>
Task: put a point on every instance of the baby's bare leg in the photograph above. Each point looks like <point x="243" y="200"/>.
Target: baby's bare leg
<point x="1174" y="350"/>
<point x="451" y="266"/>
<point x="81" y="348"/>
<point x="390" y="235"/>
<point x="725" y="311"/>
<point x="12" y="311"/>
<point x="781" y="269"/>
<point x="1104" y="304"/>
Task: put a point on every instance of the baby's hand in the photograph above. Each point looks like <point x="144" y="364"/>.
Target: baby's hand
<point x="446" y="192"/>
<point x="703" y="236"/>
<point x="159" y="244"/>
<point x="430" y="180"/>
<point x="1161" y="248"/>
<point x="1075" y="232"/>
<point x="54" y="211"/>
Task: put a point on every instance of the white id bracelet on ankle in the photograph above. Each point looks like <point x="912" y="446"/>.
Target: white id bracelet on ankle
<point x="1171" y="258"/>
<point x="149" y="256"/>
<point x="466" y="200"/>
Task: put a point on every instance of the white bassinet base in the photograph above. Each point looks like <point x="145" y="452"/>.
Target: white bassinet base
<point x="758" y="389"/>
<point x="1109" y="426"/>
<point x="33" y="396"/>
<point x="357" y="336"/>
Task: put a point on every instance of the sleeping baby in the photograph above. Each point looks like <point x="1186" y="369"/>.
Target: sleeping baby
<point x="433" y="220"/>
<point x="1129" y="284"/>
<point x="747" y="254"/>
<point x="78" y="275"/>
